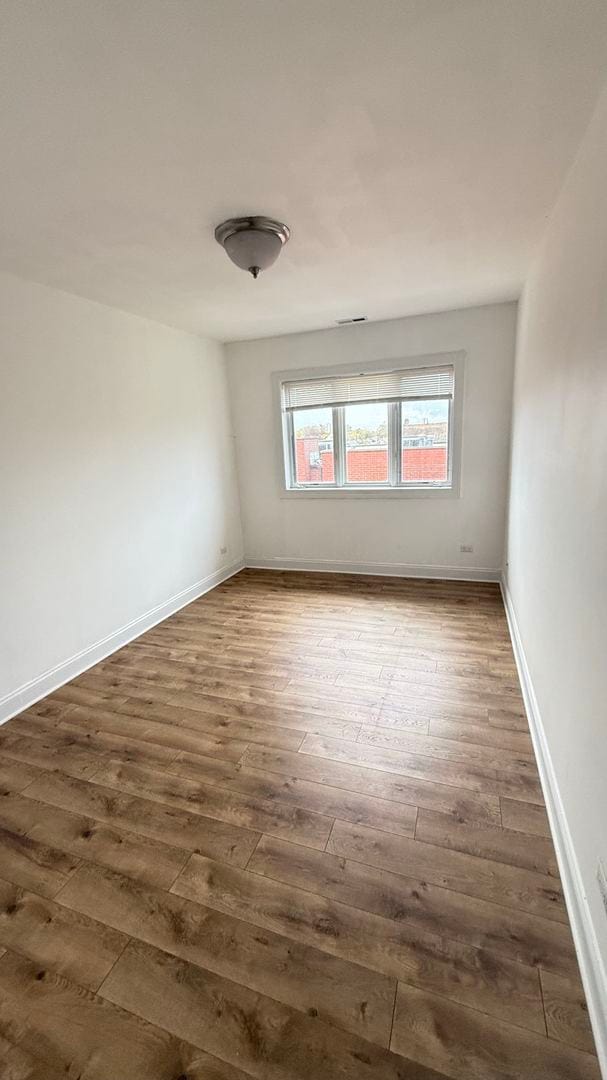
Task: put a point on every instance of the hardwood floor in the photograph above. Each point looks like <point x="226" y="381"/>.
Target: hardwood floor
<point x="295" y="832"/>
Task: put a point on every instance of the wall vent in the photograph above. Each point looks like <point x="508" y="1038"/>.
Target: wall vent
<point x="355" y="318"/>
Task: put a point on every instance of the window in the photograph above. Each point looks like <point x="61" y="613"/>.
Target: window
<point x="425" y="441"/>
<point x="313" y="437"/>
<point x="374" y="431"/>
<point x="367" y="443"/>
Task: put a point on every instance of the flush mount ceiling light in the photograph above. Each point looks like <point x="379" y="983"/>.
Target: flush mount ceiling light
<point x="252" y="243"/>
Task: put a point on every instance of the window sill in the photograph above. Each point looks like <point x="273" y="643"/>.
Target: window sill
<point x="420" y="492"/>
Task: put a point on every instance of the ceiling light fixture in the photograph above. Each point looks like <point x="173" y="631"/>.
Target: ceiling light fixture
<point x="252" y="243"/>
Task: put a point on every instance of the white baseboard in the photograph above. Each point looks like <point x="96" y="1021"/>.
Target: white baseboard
<point x="44" y="684"/>
<point x="449" y="573"/>
<point x="592" y="970"/>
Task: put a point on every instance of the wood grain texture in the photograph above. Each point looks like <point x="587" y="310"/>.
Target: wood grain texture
<point x="244" y="811"/>
<point x="487" y="841"/>
<point x="529" y="938"/>
<point x="480" y="877"/>
<point x="76" y="946"/>
<point x="33" y="865"/>
<point x="266" y="1038"/>
<point x="313" y="981"/>
<point x="85" y="838"/>
<point x="489" y="982"/>
<point x="318" y="798"/>
<point x="75" y="1032"/>
<point x="165" y="740"/>
<point x="481" y="735"/>
<point x="372" y="752"/>
<point x="294" y="831"/>
<point x="169" y="825"/>
<point x="566" y="1011"/>
<point x="17" y="1065"/>
<point x="367" y="780"/>
<point x="525" y="817"/>
<point x="466" y="1045"/>
<point x="15" y="775"/>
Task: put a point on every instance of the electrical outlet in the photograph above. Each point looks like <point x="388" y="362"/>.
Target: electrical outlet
<point x="601" y="877"/>
<point x="223" y="551"/>
<point x="466" y="548"/>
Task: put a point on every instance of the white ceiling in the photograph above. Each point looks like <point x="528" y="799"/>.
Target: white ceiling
<point x="414" y="147"/>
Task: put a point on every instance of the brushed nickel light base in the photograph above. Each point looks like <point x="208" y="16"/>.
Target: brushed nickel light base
<point x="252" y="243"/>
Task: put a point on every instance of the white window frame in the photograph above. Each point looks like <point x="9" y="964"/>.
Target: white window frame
<point x="285" y="436"/>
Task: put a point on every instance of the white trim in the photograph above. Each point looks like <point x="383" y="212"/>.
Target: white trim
<point x="430" y="491"/>
<point x="592" y="970"/>
<point x="448" y="573"/>
<point x="50" y="680"/>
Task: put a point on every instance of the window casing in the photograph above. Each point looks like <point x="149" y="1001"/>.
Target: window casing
<point x="378" y="431"/>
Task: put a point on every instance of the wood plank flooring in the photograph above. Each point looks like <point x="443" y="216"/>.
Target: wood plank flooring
<point x="295" y="832"/>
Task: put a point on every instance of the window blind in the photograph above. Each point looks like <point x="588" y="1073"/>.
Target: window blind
<point x="409" y="384"/>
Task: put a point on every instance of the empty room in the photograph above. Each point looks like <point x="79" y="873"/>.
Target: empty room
<point x="303" y="540"/>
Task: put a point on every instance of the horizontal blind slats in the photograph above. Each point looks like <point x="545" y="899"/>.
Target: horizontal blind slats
<point x="382" y="386"/>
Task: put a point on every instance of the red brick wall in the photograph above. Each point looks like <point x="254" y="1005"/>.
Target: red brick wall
<point x="371" y="465"/>
<point x="307" y="473"/>
<point x="367" y="465"/>
<point x="425" y="463"/>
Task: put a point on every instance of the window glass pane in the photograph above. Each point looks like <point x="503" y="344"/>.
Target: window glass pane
<point x="314" y="462"/>
<point x="425" y="441"/>
<point x="366" y="444"/>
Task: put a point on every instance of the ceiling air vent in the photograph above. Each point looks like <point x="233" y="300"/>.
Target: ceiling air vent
<point x="355" y="318"/>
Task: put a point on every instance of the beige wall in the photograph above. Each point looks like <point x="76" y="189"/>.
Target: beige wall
<point x="117" y="478"/>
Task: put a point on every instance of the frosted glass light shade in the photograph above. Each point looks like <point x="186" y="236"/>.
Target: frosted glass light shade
<point x="252" y="243"/>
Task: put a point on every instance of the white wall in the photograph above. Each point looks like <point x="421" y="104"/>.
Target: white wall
<point x="391" y="534"/>
<point x="557" y="534"/>
<point x="117" y="477"/>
